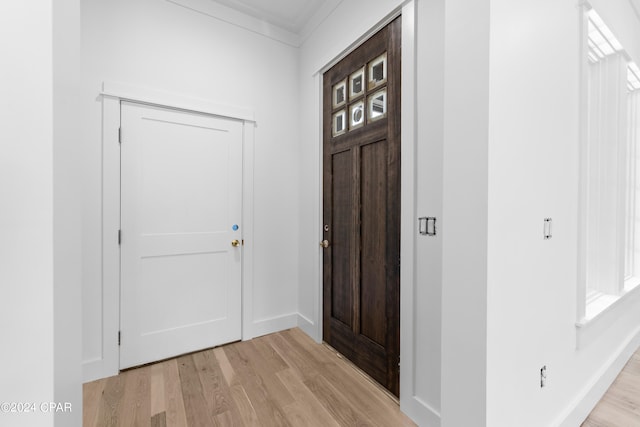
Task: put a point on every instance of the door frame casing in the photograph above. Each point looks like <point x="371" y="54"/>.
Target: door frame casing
<point x="112" y="94"/>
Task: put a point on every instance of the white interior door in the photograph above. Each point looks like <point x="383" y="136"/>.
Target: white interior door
<point x="181" y="213"/>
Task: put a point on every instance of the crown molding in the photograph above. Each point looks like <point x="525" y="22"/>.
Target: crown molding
<point x="231" y="16"/>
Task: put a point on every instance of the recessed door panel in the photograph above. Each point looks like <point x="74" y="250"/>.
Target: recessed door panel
<point x="181" y="197"/>
<point x="373" y="237"/>
<point x="342" y="301"/>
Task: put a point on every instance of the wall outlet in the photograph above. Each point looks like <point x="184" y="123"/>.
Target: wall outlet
<point x="543" y="376"/>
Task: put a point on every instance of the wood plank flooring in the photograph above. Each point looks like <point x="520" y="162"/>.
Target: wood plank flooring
<point x="283" y="379"/>
<point x="620" y="406"/>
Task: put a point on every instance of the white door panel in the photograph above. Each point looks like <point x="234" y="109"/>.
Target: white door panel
<point x="181" y="197"/>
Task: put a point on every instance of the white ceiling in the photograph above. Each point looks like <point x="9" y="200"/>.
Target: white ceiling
<point x="292" y="15"/>
<point x="636" y="4"/>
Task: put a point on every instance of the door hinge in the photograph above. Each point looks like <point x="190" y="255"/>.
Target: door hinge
<point x="119" y="237"/>
<point x="119" y="135"/>
<point x="119" y="337"/>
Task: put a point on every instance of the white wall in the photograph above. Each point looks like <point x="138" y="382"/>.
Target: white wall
<point x="67" y="212"/>
<point x="26" y="218"/>
<point x="163" y="46"/>
<point x="465" y="213"/>
<point x="533" y="174"/>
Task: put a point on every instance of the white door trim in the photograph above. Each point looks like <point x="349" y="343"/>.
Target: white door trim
<point x="143" y="95"/>
<point x="410" y="403"/>
<point x="112" y="94"/>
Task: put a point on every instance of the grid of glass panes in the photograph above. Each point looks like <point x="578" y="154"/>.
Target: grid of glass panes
<point x="361" y="97"/>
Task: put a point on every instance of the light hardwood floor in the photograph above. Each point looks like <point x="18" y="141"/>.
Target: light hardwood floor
<point x="283" y="379"/>
<point x="620" y="406"/>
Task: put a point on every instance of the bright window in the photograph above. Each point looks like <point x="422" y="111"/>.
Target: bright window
<point x="610" y="204"/>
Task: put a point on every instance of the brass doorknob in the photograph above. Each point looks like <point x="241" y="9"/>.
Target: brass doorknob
<point x="325" y="243"/>
<point x="235" y="243"/>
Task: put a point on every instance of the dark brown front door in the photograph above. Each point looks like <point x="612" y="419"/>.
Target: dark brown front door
<point x="361" y="178"/>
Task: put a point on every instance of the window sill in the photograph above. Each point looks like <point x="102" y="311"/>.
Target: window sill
<point x="603" y="310"/>
<point x="631" y="284"/>
<point x="597" y="303"/>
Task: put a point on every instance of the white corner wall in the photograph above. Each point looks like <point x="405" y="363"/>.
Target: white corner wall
<point x="165" y="47"/>
<point x="26" y="219"/>
<point x="67" y="217"/>
<point x="533" y="174"/>
<point x="465" y="213"/>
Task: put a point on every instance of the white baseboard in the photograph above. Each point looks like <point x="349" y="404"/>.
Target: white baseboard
<point x="97" y="369"/>
<point x="579" y="410"/>
<point x="420" y="412"/>
<point x="309" y="328"/>
<point x="272" y="325"/>
<point x="91" y="370"/>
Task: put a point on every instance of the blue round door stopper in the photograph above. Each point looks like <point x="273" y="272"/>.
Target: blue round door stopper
<point x="235" y="227"/>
